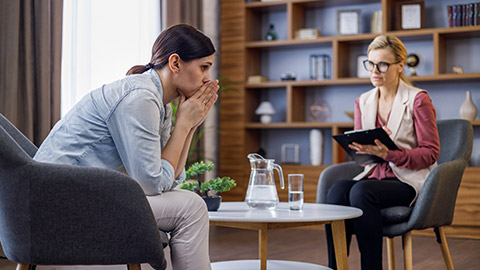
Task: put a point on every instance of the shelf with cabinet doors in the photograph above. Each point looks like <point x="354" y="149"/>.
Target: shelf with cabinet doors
<point x="245" y="52"/>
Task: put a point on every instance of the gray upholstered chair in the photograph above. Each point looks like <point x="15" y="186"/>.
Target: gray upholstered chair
<point x="53" y="214"/>
<point x="435" y="205"/>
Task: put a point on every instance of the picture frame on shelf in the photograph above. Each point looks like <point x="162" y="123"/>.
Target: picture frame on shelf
<point x="349" y="21"/>
<point x="410" y="15"/>
<point x="290" y="153"/>
<point x="361" y="71"/>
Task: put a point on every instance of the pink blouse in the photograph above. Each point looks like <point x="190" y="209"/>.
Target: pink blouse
<point x="422" y="156"/>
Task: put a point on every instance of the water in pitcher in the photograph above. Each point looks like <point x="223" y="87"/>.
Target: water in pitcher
<point x="262" y="197"/>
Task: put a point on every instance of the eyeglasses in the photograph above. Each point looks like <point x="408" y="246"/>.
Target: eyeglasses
<point x="381" y="66"/>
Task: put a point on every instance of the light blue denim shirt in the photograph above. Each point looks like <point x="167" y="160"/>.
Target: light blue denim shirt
<point x="121" y="123"/>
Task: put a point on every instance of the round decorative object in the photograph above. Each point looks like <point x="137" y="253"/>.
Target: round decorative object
<point x="319" y="111"/>
<point x="288" y="76"/>
<point x="468" y="110"/>
<point x="213" y="203"/>
<point x="413" y="62"/>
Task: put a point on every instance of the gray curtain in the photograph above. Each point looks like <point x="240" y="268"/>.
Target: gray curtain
<point x="30" y="64"/>
<point x="182" y="11"/>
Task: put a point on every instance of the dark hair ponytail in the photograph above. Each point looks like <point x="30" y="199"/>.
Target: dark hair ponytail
<point x="182" y="39"/>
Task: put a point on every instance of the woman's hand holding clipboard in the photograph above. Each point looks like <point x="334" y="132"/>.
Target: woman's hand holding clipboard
<point x="367" y="146"/>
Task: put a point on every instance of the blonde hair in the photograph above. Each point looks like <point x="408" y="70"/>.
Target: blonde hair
<point x="396" y="47"/>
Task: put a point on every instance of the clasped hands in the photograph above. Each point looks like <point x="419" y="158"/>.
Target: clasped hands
<point x="192" y="111"/>
<point x="379" y="149"/>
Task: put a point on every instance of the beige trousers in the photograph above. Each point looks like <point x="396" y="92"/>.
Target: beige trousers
<point x="184" y="215"/>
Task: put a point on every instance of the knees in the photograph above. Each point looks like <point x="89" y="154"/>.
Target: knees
<point x="362" y="193"/>
<point x="350" y="192"/>
<point x="195" y="204"/>
<point x="338" y="193"/>
<point x="180" y="204"/>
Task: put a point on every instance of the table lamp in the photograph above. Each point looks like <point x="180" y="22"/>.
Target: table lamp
<point x="265" y="110"/>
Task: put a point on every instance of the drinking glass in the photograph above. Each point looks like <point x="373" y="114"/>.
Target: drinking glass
<point x="295" y="191"/>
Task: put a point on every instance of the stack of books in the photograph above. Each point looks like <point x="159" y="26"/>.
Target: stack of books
<point x="376" y="23"/>
<point x="463" y="15"/>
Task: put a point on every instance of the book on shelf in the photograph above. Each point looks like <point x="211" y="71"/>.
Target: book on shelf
<point x="449" y="14"/>
<point x="364" y="137"/>
<point x="376" y="22"/>
<point x="476" y="14"/>
<point x="463" y="14"/>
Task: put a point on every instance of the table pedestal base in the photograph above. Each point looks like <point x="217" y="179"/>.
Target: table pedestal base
<point x="271" y="265"/>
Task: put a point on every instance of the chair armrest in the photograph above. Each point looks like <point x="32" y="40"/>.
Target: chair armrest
<point x="436" y="202"/>
<point x="84" y="215"/>
<point x="333" y="173"/>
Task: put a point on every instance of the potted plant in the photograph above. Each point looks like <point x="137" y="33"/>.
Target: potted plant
<point x="208" y="190"/>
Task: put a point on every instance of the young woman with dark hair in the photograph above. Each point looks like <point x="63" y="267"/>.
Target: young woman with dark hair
<point x="127" y="124"/>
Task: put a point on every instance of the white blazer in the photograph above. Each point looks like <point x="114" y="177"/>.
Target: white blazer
<point x="401" y="124"/>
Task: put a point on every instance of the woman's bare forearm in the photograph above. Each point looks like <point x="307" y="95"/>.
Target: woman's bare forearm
<point x="184" y="154"/>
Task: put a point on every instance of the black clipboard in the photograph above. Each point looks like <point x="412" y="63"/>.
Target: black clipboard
<point x="365" y="137"/>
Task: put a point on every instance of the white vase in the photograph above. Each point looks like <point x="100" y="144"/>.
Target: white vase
<point x="316" y="147"/>
<point x="468" y="110"/>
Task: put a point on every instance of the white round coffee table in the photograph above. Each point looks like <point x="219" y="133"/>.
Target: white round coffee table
<point x="238" y="215"/>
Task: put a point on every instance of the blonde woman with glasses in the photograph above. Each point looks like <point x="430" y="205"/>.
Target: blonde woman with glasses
<point x="408" y="116"/>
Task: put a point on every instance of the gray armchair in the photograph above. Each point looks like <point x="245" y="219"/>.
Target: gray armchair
<point x="53" y="214"/>
<point x="435" y="205"/>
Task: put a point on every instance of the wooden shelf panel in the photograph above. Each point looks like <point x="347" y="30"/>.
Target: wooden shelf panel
<point x="320" y="41"/>
<point x="307" y="3"/>
<point x="344" y="81"/>
<point x="329" y="3"/>
<point x="256" y="125"/>
<point x="253" y="125"/>
<point x="464" y="31"/>
<point x="445" y="77"/>
<point x="302" y="166"/>
<point x="405" y="35"/>
<point x="267" y="6"/>
<point x="348" y="81"/>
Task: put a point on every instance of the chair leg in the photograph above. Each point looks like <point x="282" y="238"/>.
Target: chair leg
<point x="134" y="267"/>
<point x="22" y="266"/>
<point x="391" y="253"/>
<point x="407" y="251"/>
<point x="442" y="240"/>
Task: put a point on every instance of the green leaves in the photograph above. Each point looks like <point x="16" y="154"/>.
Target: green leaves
<point x="198" y="168"/>
<point x="190" y="185"/>
<point x="216" y="185"/>
<point x="219" y="184"/>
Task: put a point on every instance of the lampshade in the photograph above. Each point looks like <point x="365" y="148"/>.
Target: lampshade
<point x="265" y="108"/>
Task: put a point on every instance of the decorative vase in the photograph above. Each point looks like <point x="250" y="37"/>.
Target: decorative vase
<point x="316" y="147"/>
<point x="271" y="34"/>
<point x="468" y="110"/>
<point x="213" y="203"/>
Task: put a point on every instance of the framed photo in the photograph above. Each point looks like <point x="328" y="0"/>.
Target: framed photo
<point x="410" y="15"/>
<point x="361" y="72"/>
<point x="348" y="22"/>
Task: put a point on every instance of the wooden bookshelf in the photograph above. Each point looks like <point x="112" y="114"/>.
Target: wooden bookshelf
<point x="241" y="52"/>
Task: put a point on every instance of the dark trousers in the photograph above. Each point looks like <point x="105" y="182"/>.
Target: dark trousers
<point x="370" y="195"/>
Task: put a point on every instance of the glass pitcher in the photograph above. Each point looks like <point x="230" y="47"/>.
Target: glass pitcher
<point x="262" y="193"/>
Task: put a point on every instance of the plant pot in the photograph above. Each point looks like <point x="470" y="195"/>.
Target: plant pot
<point x="213" y="203"/>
